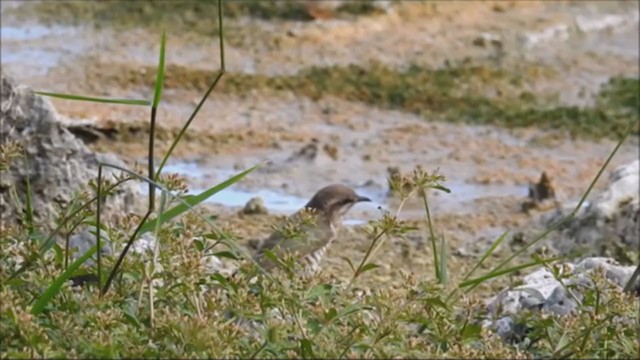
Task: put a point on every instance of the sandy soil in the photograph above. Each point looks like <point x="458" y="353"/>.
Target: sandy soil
<point x="307" y="144"/>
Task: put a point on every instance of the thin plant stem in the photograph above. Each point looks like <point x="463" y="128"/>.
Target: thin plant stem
<point x="66" y="250"/>
<point x="29" y="200"/>
<point x="152" y="188"/>
<point x="259" y="350"/>
<point x="195" y="112"/>
<point x="432" y="235"/>
<point x="140" y="293"/>
<point x="632" y="280"/>
<point x="98" y="211"/>
<point x="124" y="252"/>
<point x="375" y="245"/>
<point x="156" y="252"/>
<point x="151" y="307"/>
<point x="223" y="67"/>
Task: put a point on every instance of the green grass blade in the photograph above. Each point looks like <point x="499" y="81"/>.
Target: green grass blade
<point x="632" y="280"/>
<point x="487" y="253"/>
<point x="494" y="274"/>
<point x="443" y="261"/>
<point x="160" y="76"/>
<point x="432" y="236"/>
<point x="29" y="202"/>
<point x="55" y="287"/>
<point x="196" y="110"/>
<point x="95" y="99"/>
<point x="223" y="66"/>
<point x="194" y="200"/>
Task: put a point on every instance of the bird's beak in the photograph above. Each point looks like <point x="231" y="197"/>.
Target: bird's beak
<point x="363" y="198"/>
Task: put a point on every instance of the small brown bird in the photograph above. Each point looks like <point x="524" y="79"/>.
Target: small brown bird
<point x="315" y="228"/>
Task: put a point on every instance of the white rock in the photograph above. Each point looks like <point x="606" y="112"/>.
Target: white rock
<point x="624" y="184"/>
<point x="541" y="290"/>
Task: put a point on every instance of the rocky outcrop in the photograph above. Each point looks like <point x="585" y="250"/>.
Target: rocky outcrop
<point x="56" y="163"/>
<point x="558" y="295"/>
<point x="607" y="225"/>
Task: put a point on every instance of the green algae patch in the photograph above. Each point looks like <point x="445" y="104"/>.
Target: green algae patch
<point x="622" y="93"/>
<point x="199" y="17"/>
<point x="183" y="16"/>
<point x="474" y="94"/>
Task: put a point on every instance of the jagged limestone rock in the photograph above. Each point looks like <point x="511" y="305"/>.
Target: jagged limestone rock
<point x="56" y="163"/>
<point x="542" y="291"/>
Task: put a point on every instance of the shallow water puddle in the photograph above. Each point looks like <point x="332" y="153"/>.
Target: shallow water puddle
<point x="279" y="201"/>
<point x="274" y="201"/>
<point x="39" y="47"/>
<point x="232" y="196"/>
<point x="33" y="32"/>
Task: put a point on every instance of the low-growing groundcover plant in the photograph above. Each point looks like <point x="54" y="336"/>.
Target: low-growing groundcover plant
<point x="167" y="303"/>
<point x="166" y="300"/>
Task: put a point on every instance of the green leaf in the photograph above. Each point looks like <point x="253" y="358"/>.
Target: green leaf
<point x="330" y="314"/>
<point x="472" y="331"/>
<point x="59" y="254"/>
<point x="226" y="254"/>
<point x="315" y="326"/>
<point x="160" y="76"/>
<point x="495" y="274"/>
<point x="351" y="309"/>
<point x="193" y="201"/>
<point x="131" y="318"/>
<point x="367" y="267"/>
<point x="348" y="262"/>
<point x="435" y="302"/>
<point x="441" y="188"/>
<point x="362" y="346"/>
<point x="319" y="291"/>
<point x="38" y="238"/>
<point x="306" y="347"/>
<point x="199" y="244"/>
<point x="95" y="99"/>
<point x="55" y="287"/>
<point x="224" y="282"/>
<point x="273" y="257"/>
<point x="562" y="343"/>
<point x="15" y="282"/>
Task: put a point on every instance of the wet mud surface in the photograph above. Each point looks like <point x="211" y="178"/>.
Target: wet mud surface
<point x="304" y="144"/>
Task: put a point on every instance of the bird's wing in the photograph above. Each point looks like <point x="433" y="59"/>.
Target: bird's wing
<point x="308" y="239"/>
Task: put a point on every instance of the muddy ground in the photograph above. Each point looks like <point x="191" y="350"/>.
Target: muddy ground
<point x="308" y="142"/>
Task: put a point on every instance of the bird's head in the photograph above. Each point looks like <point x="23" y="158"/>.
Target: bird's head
<point x="335" y="200"/>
